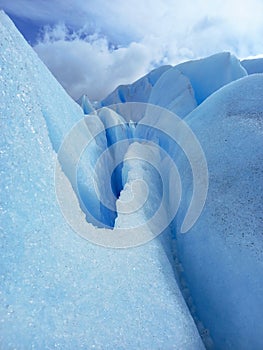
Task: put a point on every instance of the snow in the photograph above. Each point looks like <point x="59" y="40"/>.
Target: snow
<point x="58" y="290"/>
<point x="253" y="66"/>
<point x="222" y="253"/>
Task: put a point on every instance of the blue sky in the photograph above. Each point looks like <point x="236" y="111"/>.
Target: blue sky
<point x="91" y="46"/>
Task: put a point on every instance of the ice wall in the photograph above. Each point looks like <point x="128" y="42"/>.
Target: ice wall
<point x="85" y="104"/>
<point x="222" y="253"/>
<point x="139" y="91"/>
<point x="173" y="91"/>
<point x="209" y="74"/>
<point x="23" y="75"/>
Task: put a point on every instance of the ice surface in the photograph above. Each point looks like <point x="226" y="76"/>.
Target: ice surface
<point x="58" y="290"/>
<point x="142" y="181"/>
<point x="165" y="86"/>
<point x="211" y="73"/>
<point x="180" y="93"/>
<point x="86" y="105"/>
<point x="253" y="66"/>
<point x="96" y="169"/>
<point x="173" y="91"/>
<point x="59" y="117"/>
<point x="222" y="253"/>
<point x="139" y="91"/>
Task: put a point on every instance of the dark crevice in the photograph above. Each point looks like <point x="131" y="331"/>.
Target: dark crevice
<point x="96" y="212"/>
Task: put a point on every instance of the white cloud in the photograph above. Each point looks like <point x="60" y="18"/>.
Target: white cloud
<point x="145" y="32"/>
<point x="88" y="65"/>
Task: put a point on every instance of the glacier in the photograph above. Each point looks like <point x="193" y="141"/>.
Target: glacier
<point x="58" y="290"/>
<point x="200" y="289"/>
<point x="182" y="87"/>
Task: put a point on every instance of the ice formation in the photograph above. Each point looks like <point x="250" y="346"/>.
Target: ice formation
<point x="222" y="253"/>
<point x="253" y="65"/>
<point x="139" y="91"/>
<point x="181" y="92"/>
<point x="209" y="74"/>
<point x="58" y="290"/>
<point x="174" y="91"/>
